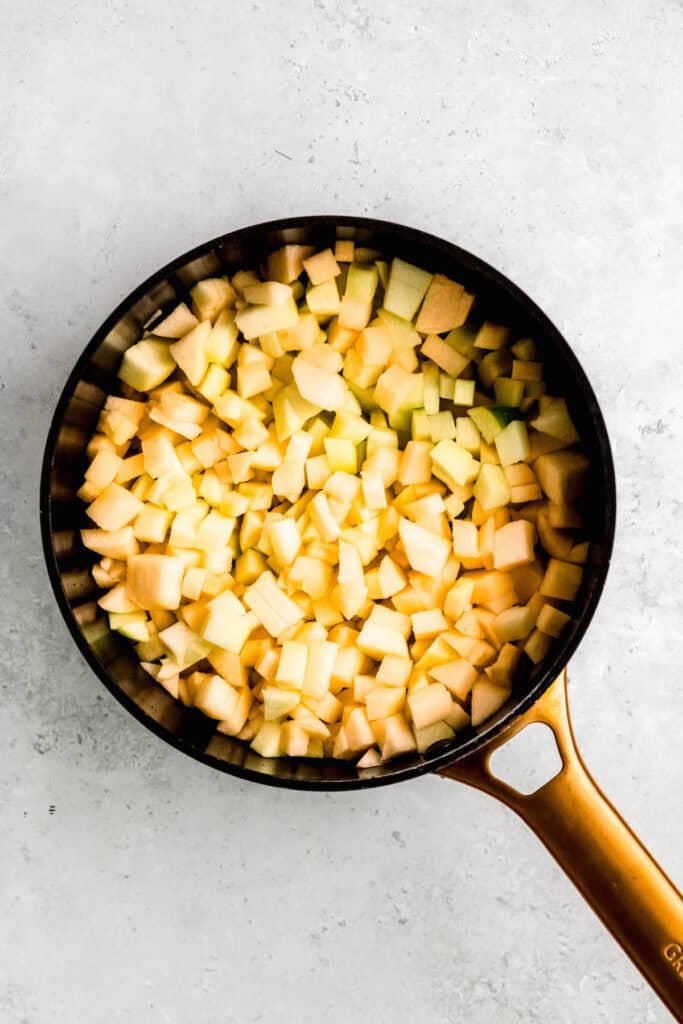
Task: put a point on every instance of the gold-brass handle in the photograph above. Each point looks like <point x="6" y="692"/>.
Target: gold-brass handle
<point x="609" y="865"/>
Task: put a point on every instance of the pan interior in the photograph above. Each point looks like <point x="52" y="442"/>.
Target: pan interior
<point x="62" y="513"/>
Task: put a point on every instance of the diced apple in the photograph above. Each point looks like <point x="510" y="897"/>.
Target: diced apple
<point x="398" y="737"/>
<point x="562" y="580"/>
<point x="425" y="551"/>
<point x="190" y="352"/>
<point x="513" y="544"/>
<point x="512" y="443"/>
<point x="286" y="264"/>
<point x="256" y="320"/>
<point x="562" y="475"/>
<point x="556" y="421"/>
<point x="278" y="702"/>
<point x="216" y="698"/>
<point x="446" y="358"/>
<point x="465" y="539"/>
<point x="486" y="700"/>
<point x="226" y="623"/>
<point x="356" y="305"/>
<point x="155" y="581"/>
<point x="274" y="610"/>
<point x="147" y="364"/>
<point x="322" y="266"/>
<point x="212" y="295"/>
<point x="502" y="671"/>
<point x="234" y="723"/>
<point x="267" y="741"/>
<point x="429" y="705"/>
<point x="432" y="734"/>
<point x="406" y="288"/>
<point x="114" y="508"/>
<point x="458" y="676"/>
<point x="452" y="463"/>
<point x="491" y="489"/>
<point x="446" y="306"/>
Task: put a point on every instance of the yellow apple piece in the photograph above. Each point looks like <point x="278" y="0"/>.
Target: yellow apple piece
<point x="445" y="306"/>
<point x="155" y="581"/>
<point x="513" y="544"/>
<point x="274" y="610"/>
<point x="114" y="508"/>
<point x="486" y="700"/>
<point x="216" y="698"/>
<point x="457" y="676"/>
<point x="426" y="552"/>
<point x="561" y="580"/>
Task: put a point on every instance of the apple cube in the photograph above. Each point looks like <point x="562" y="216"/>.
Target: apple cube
<point x="292" y="665"/>
<point x="286" y="264"/>
<point x="384" y="701"/>
<point x="513" y="544"/>
<point x="552" y="621"/>
<point x="147" y="364"/>
<point x="216" y="698"/>
<point x="405" y="289"/>
<point x="114" y="508"/>
<point x="428" y="624"/>
<point x="562" y="475"/>
<point x="104" y="469"/>
<point x="285" y="540"/>
<point x="356" y="305"/>
<point x="256" y="320"/>
<point x="465" y="539"/>
<point x="267" y="741"/>
<point x="235" y="721"/>
<point x="117" y="544"/>
<point x="274" y="610"/>
<point x="554" y="419"/>
<point x="278" y="702"/>
<point x="446" y="306"/>
<point x="226" y="623"/>
<point x="491" y="489"/>
<point x="453" y="464"/>
<point x="178" y="322"/>
<point x="378" y="641"/>
<point x="514" y="623"/>
<point x="397" y="737"/>
<point x="463" y="392"/>
<point x="155" y="581"/>
<point x="562" y="580"/>
<point x="512" y="443"/>
<point x="294" y="740"/>
<point x="537" y="646"/>
<point x="446" y="358"/>
<point x="486" y="700"/>
<point x="428" y="705"/>
<point x="502" y="671"/>
<point x="426" y="552"/>
<point x="359" y="734"/>
<point x="184" y="645"/>
<point x="190" y="352"/>
<point x="457" y="676"/>
<point x="415" y="464"/>
<point x="321" y="267"/>
<point x="436" y="733"/>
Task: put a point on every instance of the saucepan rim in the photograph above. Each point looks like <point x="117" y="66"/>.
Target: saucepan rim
<point x="561" y="652"/>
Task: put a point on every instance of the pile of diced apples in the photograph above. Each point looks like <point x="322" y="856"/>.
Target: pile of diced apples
<point x="332" y="514"/>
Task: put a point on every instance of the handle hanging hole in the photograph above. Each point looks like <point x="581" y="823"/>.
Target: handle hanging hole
<point x="529" y="760"/>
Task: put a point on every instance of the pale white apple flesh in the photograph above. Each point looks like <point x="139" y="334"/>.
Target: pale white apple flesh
<point x="335" y="509"/>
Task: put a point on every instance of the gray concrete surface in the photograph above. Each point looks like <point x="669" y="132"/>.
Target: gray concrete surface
<point x="137" y="885"/>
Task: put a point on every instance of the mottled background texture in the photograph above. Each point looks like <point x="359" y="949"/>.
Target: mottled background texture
<point x="137" y="885"/>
